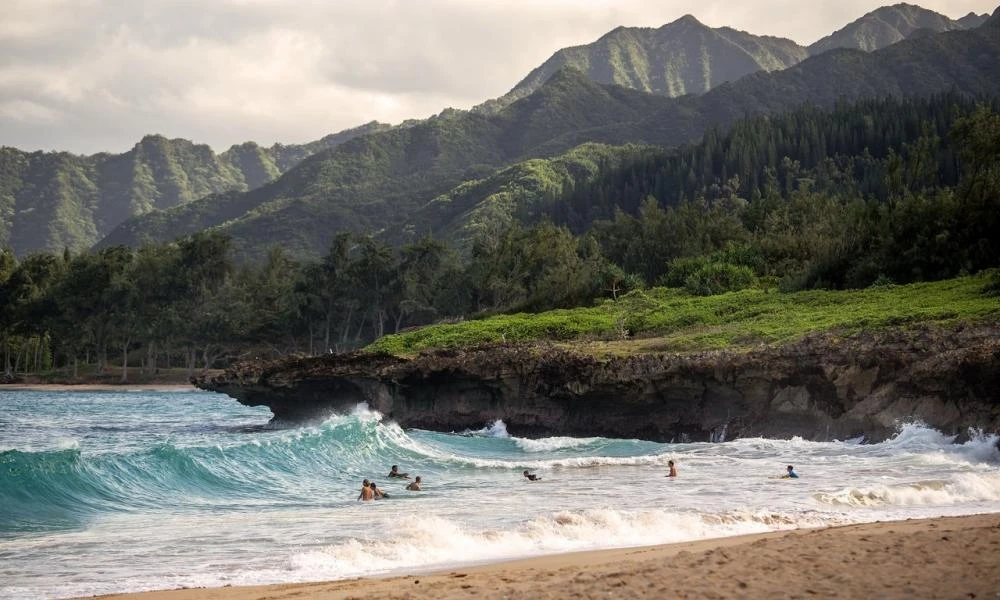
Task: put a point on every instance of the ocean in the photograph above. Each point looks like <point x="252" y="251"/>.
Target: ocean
<point x="105" y="492"/>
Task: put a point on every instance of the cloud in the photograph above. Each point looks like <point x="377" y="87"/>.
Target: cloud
<point x="26" y="111"/>
<point x="92" y="75"/>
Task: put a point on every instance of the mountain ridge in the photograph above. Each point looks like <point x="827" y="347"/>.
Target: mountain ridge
<point x="888" y="25"/>
<point x="340" y="189"/>
<point x="75" y="201"/>
<point x="637" y="57"/>
<point x="390" y="174"/>
<point x="677" y="59"/>
<point x="55" y="200"/>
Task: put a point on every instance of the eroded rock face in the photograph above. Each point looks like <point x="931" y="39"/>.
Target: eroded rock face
<point x="821" y="387"/>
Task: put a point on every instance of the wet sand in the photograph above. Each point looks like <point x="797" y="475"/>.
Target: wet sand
<point x="955" y="557"/>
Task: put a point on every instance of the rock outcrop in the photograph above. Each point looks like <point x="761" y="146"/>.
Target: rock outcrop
<point x="821" y="387"/>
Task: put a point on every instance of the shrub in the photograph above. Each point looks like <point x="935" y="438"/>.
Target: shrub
<point x="679" y="269"/>
<point x="719" y="278"/>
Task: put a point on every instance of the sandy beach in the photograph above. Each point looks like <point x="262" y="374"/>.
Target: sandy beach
<point x="954" y="557"/>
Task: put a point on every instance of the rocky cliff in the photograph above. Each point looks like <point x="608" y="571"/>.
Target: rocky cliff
<point x="821" y="387"/>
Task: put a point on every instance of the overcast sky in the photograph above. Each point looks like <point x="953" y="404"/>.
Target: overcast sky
<point x="96" y="75"/>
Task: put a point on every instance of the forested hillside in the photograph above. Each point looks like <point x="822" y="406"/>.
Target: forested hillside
<point x="871" y="194"/>
<point x="688" y="57"/>
<point x="384" y="182"/>
<point x="56" y="200"/>
<point x="683" y="57"/>
<point x="376" y="182"/>
<point x="890" y="24"/>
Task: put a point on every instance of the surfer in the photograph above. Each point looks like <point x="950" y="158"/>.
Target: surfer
<point x="532" y="476"/>
<point x="790" y="474"/>
<point x="673" y="469"/>
<point x="367" y="491"/>
<point x="377" y="493"/>
<point x="414" y="485"/>
<point x="394" y="472"/>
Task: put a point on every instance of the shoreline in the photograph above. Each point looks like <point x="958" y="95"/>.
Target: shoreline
<point x="97" y="387"/>
<point x="936" y="557"/>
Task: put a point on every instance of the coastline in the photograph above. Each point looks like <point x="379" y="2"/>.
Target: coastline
<point x="97" y="387"/>
<point x="939" y="557"/>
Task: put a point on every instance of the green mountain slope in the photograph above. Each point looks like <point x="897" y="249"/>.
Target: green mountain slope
<point x="408" y="182"/>
<point x="523" y="192"/>
<point x="964" y="61"/>
<point x="683" y="57"/>
<point x="972" y="20"/>
<point x="376" y="182"/>
<point x="688" y="57"/>
<point x="51" y="201"/>
<point x="891" y="24"/>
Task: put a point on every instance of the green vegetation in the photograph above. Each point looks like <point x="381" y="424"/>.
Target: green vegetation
<point x="671" y="320"/>
<point x="890" y="24"/>
<point x="381" y="182"/>
<point x="742" y="237"/>
<point x="683" y="57"/>
<point x="912" y="198"/>
<point x="687" y="57"/>
<point x="51" y="201"/>
<point x="390" y="182"/>
<point x="383" y="179"/>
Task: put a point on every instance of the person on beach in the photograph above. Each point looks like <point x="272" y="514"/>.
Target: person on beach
<point x="367" y="491"/>
<point x="532" y="476"/>
<point x="377" y="493"/>
<point x="414" y="485"/>
<point x="394" y="472"/>
<point x="790" y="474"/>
<point x="673" y="469"/>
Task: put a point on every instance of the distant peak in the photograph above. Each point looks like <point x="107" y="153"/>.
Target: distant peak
<point x="687" y="20"/>
<point x="993" y="21"/>
<point x="251" y="145"/>
<point x="567" y="73"/>
<point x="900" y="7"/>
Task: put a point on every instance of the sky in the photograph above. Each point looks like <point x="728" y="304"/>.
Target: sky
<point x="96" y="75"/>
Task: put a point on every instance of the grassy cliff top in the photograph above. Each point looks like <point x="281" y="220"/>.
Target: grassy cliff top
<point x="669" y="320"/>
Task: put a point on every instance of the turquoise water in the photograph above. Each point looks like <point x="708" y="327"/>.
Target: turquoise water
<point x="127" y="491"/>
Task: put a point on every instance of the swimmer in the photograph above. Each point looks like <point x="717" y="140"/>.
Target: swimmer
<point x="532" y="476"/>
<point x="367" y="491"/>
<point x="673" y="469"/>
<point x="379" y="494"/>
<point x="394" y="472"/>
<point x="415" y="485"/>
<point x="790" y="474"/>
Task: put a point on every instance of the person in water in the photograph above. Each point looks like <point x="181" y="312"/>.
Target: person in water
<point x="394" y="472"/>
<point x="377" y="493"/>
<point x="673" y="469"/>
<point x="367" y="491"/>
<point x="414" y="485"/>
<point x="532" y="476"/>
<point x="790" y="474"/>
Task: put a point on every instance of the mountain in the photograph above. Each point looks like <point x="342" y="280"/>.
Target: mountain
<point x="407" y="182"/>
<point x="375" y="182"/>
<point x="890" y="24"/>
<point x="993" y="21"/>
<point x="688" y="57"/>
<point x="683" y="57"/>
<point x="55" y="200"/>
<point x="972" y="20"/>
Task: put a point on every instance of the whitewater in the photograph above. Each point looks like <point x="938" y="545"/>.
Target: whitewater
<point x="105" y="492"/>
